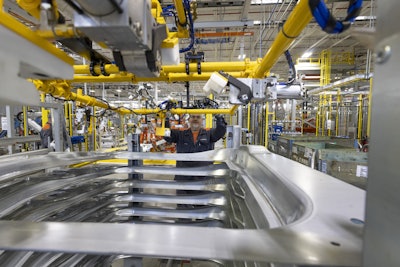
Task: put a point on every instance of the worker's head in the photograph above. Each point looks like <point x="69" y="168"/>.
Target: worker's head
<point x="196" y="121"/>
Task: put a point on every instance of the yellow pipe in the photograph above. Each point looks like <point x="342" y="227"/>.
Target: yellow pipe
<point x="45" y="112"/>
<point x="62" y="89"/>
<point x="25" y="113"/>
<point x="369" y="108"/>
<point x="296" y="22"/>
<point x="59" y="31"/>
<point x="181" y="23"/>
<point x="85" y="69"/>
<point x="113" y="78"/>
<point x="71" y="130"/>
<point x="17" y="27"/>
<point x="360" y="117"/>
<point x="209" y="119"/>
<point x="180" y="10"/>
<point x="237" y="66"/>
<point x="171" y="77"/>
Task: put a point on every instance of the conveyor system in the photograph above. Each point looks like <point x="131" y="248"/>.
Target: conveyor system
<point x="253" y="208"/>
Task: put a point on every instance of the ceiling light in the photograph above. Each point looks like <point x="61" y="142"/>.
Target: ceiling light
<point x="241" y="56"/>
<point x="119" y="90"/>
<point x="306" y="54"/>
<point x="265" y="2"/>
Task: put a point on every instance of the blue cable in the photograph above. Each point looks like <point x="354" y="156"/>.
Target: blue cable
<point x="186" y="4"/>
<point x="327" y="22"/>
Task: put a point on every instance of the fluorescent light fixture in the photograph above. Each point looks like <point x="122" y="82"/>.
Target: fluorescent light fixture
<point x="241" y="56"/>
<point x="306" y="54"/>
<point x="265" y="2"/>
<point x="119" y="90"/>
<point x="362" y="18"/>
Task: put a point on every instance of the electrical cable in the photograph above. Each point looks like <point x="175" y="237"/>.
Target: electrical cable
<point x="292" y="69"/>
<point x="327" y="22"/>
<point x="186" y="4"/>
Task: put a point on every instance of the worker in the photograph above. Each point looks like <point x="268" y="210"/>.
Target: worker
<point x="46" y="135"/>
<point x="195" y="139"/>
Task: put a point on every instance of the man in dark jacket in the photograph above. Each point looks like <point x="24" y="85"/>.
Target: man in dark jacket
<point x="196" y="139"/>
<point x="46" y="135"/>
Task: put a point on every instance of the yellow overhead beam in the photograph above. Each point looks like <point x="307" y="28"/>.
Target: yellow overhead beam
<point x="85" y="69"/>
<point x="113" y="78"/>
<point x="296" y="22"/>
<point x="236" y="66"/>
<point x="171" y="77"/>
<point x="63" y="89"/>
<point x="169" y="73"/>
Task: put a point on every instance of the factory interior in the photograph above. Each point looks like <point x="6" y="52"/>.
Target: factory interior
<point x="93" y="98"/>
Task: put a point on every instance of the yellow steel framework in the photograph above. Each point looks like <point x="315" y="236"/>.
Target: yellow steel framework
<point x="296" y="22"/>
<point x="325" y="76"/>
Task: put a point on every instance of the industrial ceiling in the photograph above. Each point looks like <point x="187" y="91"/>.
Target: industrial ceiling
<point x="228" y="31"/>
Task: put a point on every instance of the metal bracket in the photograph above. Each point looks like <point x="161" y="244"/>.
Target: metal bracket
<point x="192" y="58"/>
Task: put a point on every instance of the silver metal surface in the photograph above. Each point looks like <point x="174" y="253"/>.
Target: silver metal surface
<point x="382" y="233"/>
<point x="19" y="140"/>
<point x="202" y="199"/>
<point x="205" y="184"/>
<point x="262" y="90"/>
<point x="233" y="136"/>
<point x="199" y="213"/>
<point x="273" y="206"/>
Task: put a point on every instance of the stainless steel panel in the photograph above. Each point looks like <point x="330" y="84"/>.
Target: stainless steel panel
<point x="382" y="233"/>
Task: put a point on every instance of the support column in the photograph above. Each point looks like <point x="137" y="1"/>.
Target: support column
<point x="10" y="127"/>
<point x="233" y="133"/>
<point x="293" y="116"/>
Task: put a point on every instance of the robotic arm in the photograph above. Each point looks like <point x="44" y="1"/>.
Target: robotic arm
<point x="219" y="80"/>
